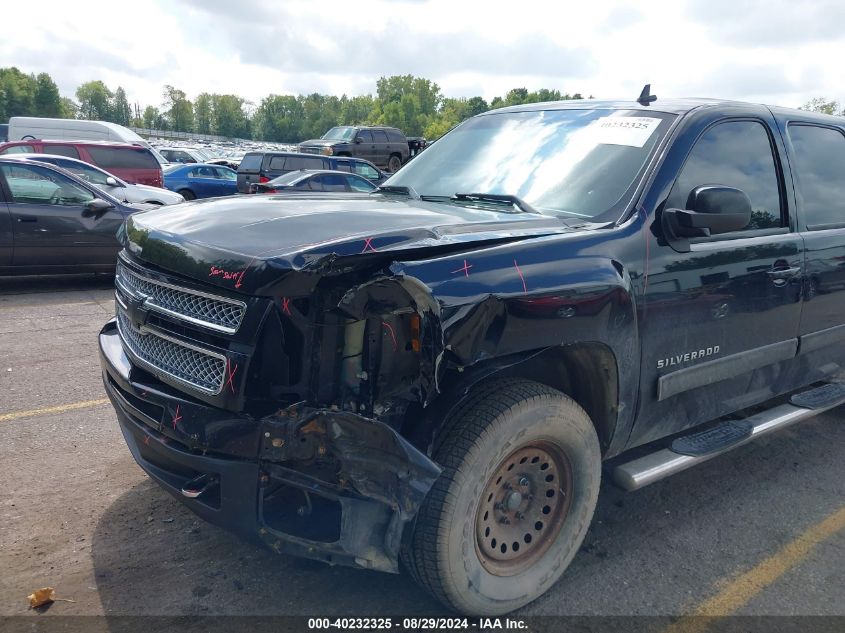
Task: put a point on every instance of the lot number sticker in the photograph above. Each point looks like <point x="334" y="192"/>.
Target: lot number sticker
<point x="632" y="131"/>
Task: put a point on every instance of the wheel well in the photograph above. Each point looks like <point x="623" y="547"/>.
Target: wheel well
<point x="586" y="372"/>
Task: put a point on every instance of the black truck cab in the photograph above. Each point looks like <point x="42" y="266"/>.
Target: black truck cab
<point x="437" y="375"/>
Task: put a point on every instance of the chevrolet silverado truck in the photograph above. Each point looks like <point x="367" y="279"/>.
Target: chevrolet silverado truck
<point x="437" y="376"/>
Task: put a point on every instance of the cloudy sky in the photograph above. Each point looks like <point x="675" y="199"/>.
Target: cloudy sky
<point x="776" y="51"/>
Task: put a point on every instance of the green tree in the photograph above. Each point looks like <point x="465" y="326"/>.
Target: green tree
<point x="47" y="101"/>
<point x="121" y="111"/>
<point x="229" y="116"/>
<point x="94" y="101"/>
<point x="17" y="93"/>
<point x="279" y="119"/>
<point x="203" y="114"/>
<point x="407" y="102"/>
<point x="69" y="108"/>
<point x="822" y="105"/>
<point x="152" y="117"/>
<point x="178" y="110"/>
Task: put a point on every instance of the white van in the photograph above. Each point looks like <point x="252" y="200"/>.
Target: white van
<point x="23" y="128"/>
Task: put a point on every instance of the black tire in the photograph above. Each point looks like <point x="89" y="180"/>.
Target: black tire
<point x="499" y="421"/>
<point x="187" y="194"/>
<point x="394" y="163"/>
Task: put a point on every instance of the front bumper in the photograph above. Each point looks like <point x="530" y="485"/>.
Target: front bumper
<point x="241" y="473"/>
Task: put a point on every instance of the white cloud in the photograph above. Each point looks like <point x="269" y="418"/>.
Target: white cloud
<point x="783" y="53"/>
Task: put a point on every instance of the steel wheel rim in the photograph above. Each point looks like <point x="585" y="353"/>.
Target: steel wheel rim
<point x="523" y="508"/>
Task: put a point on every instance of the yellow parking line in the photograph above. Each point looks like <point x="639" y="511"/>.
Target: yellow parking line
<point x="739" y="591"/>
<point x="85" y="404"/>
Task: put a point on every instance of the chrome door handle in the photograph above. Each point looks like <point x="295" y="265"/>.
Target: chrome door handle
<point x="784" y="273"/>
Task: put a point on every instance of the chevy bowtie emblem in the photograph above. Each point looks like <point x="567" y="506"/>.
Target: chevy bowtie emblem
<point x="137" y="311"/>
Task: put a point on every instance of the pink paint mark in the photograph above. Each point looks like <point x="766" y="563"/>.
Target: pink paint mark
<point x="230" y="371"/>
<point x="392" y="335"/>
<point x="176" y="417"/>
<point x="524" y="287"/>
<point x="464" y="270"/>
<point x="286" y="306"/>
<point x="368" y="246"/>
<point x="228" y="275"/>
<point x="146" y="440"/>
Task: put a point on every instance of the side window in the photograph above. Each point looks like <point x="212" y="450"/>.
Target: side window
<point x="19" y="149"/>
<point x="343" y="165"/>
<point x="820" y="166"/>
<point x="277" y="162"/>
<point x="122" y="157"/>
<point x="395" y="136"/>
<point x="362" y="169"/>
<point x="379" y="136"/>
<point x="294" y="163"/>
<point x="356" y="183"/>
<point x="30" y="184"/>
<point x="61" y="150"/>
<point x="333" y="182"/>
<point x="365" y="136"/>
<point x="225" y="174"/>
<point x="734" y="154"/>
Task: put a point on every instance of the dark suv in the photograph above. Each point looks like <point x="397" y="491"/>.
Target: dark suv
<point x="387" y="147"/>
<point x="260" y="167"/>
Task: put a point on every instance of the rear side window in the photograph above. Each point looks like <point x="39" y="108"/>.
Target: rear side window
<point x="294" y="163"/>
<point x="395" y="136"/>
<point x="251" y="162"/>
<point x="61" y="150"/>
<point x="820" y="165"/>
<point x="343" y="165"/>
<point x="734" y="154"/>
<point x="332" y="182"/>
<point x="19" y="149"/>
<point x="122" y="158"/>
<point x="379" y="136"/>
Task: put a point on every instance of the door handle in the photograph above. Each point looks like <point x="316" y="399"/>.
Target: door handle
<point x="784" y="273"/>
<point x="27" y="218"/>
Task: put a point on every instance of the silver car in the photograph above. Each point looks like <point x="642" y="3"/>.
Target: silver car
<point x="120" y="189"/>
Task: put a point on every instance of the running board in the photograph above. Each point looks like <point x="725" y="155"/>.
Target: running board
<point x="725" y="436"/>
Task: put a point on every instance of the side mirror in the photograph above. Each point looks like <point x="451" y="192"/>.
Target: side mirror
<point x="358" y="140"/>
<point x="111" y="181"/>
<point x="711" y="209"/>
<point x="96" y="208"/>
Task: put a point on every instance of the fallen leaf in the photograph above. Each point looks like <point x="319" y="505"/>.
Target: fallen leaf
<point x="41" y="597"/>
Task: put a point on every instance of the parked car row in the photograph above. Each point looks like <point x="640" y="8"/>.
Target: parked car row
<point x="262" y="167"/>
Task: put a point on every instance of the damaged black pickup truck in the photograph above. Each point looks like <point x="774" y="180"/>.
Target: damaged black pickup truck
<point x="435" y="376"/>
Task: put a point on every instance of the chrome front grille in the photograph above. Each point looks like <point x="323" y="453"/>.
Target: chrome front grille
<point x="211" y="311"/>
<point x="192" y="366"/>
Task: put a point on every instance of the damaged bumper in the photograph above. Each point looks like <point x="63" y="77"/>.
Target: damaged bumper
<point x="322" y="484"/>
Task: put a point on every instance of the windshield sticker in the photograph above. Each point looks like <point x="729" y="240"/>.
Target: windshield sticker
<point x="632" y="131"/>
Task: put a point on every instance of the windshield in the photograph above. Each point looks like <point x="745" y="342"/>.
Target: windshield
<point x="340" y="133"/>
<point x="577" y="162"/>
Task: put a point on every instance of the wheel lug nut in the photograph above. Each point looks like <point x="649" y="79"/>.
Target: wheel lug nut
<point x="499" y="506"/>
<point x="519" y="516"/>
<point x="505" y="521"/>
<point x="524" y="481"/>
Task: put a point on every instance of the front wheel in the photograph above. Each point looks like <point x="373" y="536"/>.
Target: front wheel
<point x="521" y="472"/>
<point x="394" y="163"/>
<point x="187" y="194"/>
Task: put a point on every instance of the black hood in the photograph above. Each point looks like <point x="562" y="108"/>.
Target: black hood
<point x="323" y="142"/>
<point x="236" y="241"/>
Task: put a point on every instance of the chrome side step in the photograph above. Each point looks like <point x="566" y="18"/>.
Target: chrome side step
<point x="662" y="463"/>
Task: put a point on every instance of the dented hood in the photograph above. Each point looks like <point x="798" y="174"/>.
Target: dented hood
<point x="237" y="242"/>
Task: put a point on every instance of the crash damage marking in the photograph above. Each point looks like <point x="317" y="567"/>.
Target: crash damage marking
<point x="176" y="417"/>
<point x="146" y="440"/>
<point x="392" y="335"/>
<point x="464" y="270"/>
<point x="368" y="246"/>
<point x="286" y="306"/>
<point x="519" y="272"/>
<point x="228" y="275"/>
<point x="230" y="372"/>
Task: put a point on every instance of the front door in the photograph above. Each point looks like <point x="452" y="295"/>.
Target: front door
<point x="50" y="222"/>
<point x="719" y="318"/>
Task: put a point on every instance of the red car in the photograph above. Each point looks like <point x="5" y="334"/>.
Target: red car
<point x="132" y="163"/>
